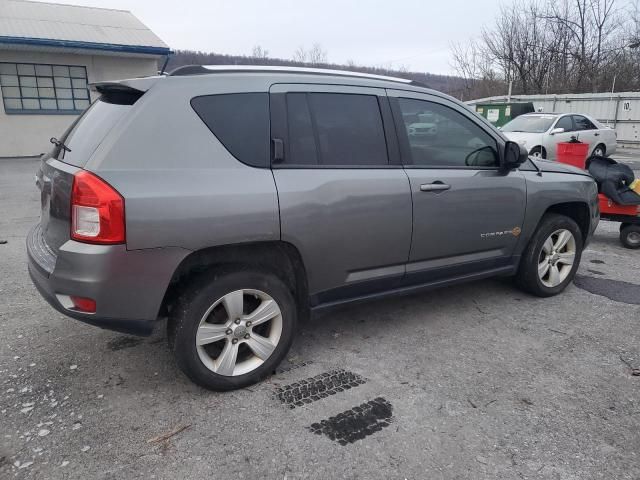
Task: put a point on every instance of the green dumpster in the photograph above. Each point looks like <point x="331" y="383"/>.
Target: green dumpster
<point x="501" y="113"/>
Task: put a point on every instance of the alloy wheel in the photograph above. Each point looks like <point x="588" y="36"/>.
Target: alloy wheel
<point x="556" y="258"/>
<point x="239" y="332"/>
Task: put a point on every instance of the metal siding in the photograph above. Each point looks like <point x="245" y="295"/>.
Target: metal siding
<point x="24" y="19"/>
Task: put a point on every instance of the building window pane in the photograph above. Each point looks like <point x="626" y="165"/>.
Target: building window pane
<point x="8" y="68"/>
<point x="45" y="82"/>
<point x="81" y="104"/>
<point x="27" y="81"/>
<point x="27" y="86"/>
<point x="63" y="82"/>
<point x="29" y="92"/>
<point x="64" y="93"/>
<point x="44" y="71"/>
<point x="26" y="69"/>
<point x="30" y="104"/>
<point x="48" y="104"/>
<point x="12" y="104"/>
<point x="77" y="72"/>
<point x="47" y="92"/>
<point x="65" y="104"/>
<point x="80" y="93"/>
<point x="60" y="71"/>
<point x="9" y="92"/>
<point x="9" y="80"/>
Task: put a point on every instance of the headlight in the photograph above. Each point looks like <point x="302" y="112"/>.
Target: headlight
<point x="522" y="142"/>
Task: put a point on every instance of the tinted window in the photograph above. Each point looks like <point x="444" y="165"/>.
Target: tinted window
<point x="302" y="144"/>
<point x="566" y="123"/>
<point x="439" y="136"/>
<point x="583" y="123"/>
<point x="88" y="131"/>
<point x="335" y="130"/>
<point x="240" y="121"/>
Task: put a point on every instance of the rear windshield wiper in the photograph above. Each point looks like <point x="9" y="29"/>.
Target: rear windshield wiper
<point x="59" y="144"/>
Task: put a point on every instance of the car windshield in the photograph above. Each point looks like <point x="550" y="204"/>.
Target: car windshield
<point x="529" y="124"/>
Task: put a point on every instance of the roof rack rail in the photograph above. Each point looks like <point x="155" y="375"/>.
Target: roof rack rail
<point x="210" y="69"/>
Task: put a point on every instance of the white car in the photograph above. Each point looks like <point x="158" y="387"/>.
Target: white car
<point x="539" y="133"/>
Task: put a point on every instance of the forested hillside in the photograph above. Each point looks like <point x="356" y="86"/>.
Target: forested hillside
<point x="443" y="83"/>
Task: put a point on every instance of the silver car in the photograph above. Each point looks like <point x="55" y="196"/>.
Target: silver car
<point x="236" y="202"/>
<point x="539" y="133"/>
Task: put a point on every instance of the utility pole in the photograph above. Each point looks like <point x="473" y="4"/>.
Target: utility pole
<point x="510" y="87"/>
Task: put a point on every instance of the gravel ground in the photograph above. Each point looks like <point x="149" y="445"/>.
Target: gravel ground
<point x="474" y="381"/>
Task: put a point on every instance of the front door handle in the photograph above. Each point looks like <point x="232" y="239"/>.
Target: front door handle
<point x="596" y="134"/>
<point x="434" y="187"/>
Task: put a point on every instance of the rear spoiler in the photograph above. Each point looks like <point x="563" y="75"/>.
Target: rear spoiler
<point x="124" y="92"/>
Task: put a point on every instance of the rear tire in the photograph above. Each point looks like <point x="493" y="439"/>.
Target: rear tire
<point x="630" y="236"/>
<point x="552" y="256"/>
<point x="218" y="332"/>
<point x="538" y="152"/>
<point x="600" y="150"/>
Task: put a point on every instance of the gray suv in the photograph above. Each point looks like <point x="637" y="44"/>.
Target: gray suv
<point x="237" y="201"/>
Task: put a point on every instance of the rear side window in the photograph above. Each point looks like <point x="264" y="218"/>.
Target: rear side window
<point x="334" y="129"/>
<point x="583" y="123"/>
<point x="240" y="121"/>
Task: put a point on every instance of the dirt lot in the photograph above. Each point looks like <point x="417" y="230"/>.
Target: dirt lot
<point x="475" y="381"/>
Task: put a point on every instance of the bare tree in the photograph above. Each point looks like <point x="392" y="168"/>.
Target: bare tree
<point x="300" y="55"/>
<point x="317" y="55"/>
<point x="259" y="52"/>
<point x="560" y="46"/>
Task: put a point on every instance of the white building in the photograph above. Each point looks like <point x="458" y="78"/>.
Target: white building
<point x="49" y="53"/>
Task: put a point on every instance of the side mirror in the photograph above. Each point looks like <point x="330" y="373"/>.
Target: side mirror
<point x="514" y="155"/>
<point x="556" y="130"/>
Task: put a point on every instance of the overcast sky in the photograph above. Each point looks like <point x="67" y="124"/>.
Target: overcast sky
<point x="412" y="33"/>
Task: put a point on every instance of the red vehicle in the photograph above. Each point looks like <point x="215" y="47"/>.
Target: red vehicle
<point x="628" y="215"/>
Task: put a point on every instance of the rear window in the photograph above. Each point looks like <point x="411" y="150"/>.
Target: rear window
<point x="85" y="134"/>
<point x="240" y="121"/>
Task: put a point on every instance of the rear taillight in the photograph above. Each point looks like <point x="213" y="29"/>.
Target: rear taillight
<point x="83" y="304"/>
<point x="97" y="211"/>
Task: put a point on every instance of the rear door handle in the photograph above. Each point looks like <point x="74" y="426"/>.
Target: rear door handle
<point x="596" y="134"/>
<point x="434" y="187"/>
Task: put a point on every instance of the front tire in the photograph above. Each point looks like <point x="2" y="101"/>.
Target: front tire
<point x="552" y="256"/>
<point x="231" y="330"/>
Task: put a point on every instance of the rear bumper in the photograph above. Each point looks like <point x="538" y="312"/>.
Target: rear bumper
<point x="128" y="286"/>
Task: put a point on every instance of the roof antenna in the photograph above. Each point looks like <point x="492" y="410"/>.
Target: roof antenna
<point x="164" y="65"/>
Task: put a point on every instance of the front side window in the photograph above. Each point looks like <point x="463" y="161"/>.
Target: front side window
<point x="566" y="123"/>
<point x="32" y="88"/>
<point x="439" y="136"/>
<point x="583" y="123"/>
<point x="334" y="129"/>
